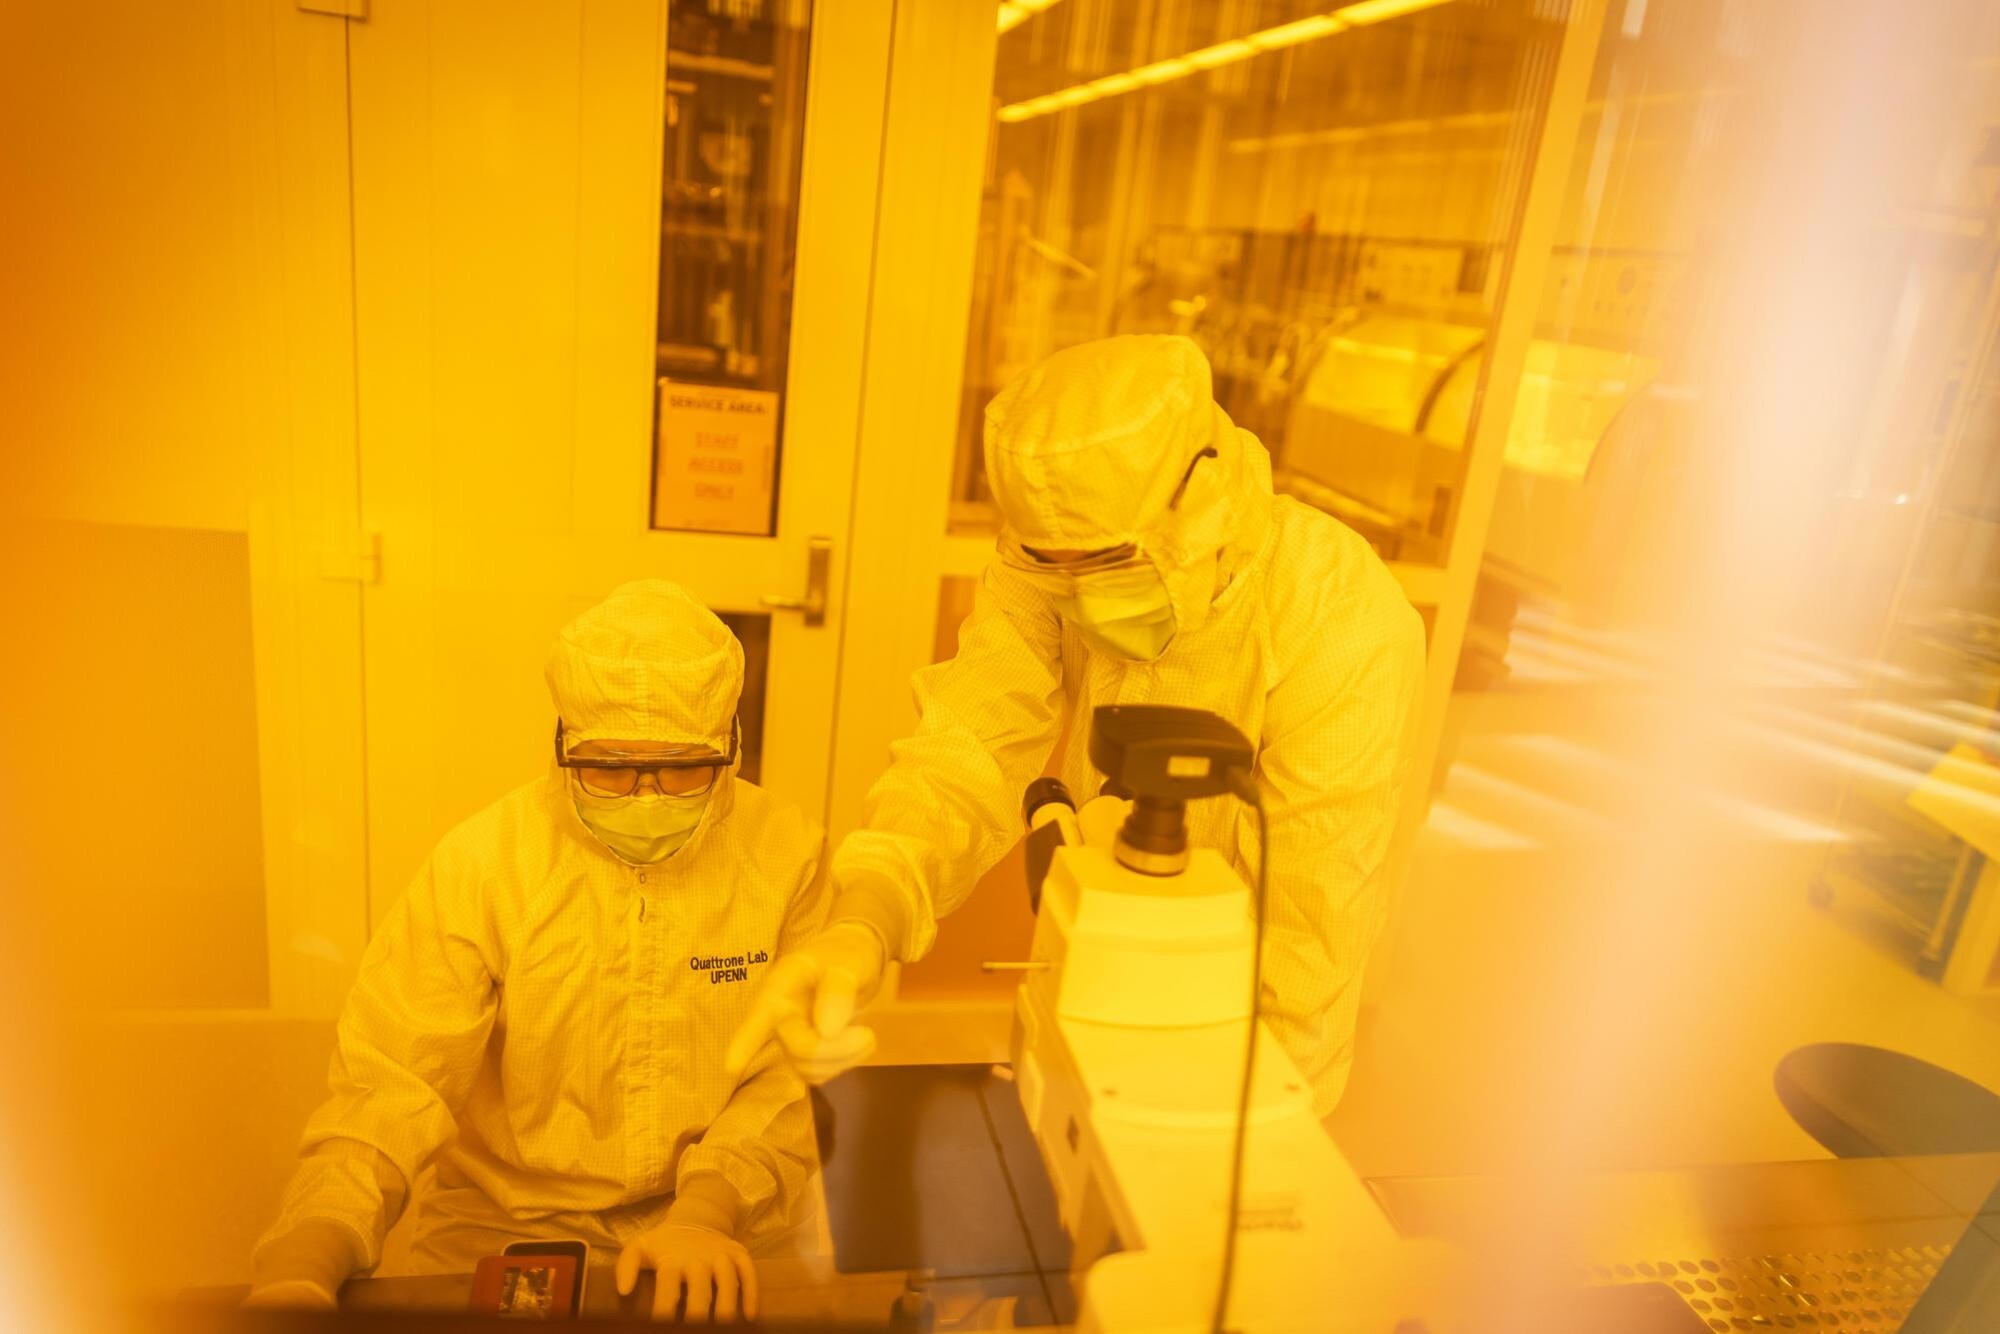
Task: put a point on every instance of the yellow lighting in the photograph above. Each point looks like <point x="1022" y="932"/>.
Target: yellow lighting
<point x="1275" y="38"/>
<point x="1291" y="34"/>
<point x="1222" y="53"/>
<point x="1173" y="67"/>
<point x="1380" y="11"/>
<point x="1013" y="13"/>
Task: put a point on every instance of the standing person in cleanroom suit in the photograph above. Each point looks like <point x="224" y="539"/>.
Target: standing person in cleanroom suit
<point x="1143" y="560"/>
<point x="548" y="1002"/>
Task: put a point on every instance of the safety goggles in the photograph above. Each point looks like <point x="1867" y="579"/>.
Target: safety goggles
<point x="1034" y="562"/>
<point x="1061" y="576"/>
<point x="616" y="774"/>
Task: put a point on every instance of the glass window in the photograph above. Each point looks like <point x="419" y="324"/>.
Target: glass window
<point x="1765" y="376"/>
<point x="1727" y="718"/>
<point x="729" y="212"/>
<point x="753" y="631"/>
<point x="1323" y="202"/>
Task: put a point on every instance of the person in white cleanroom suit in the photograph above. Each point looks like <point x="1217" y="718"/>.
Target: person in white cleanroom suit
<point x="549" y="1001"/>
<point x="1143" y="560"/>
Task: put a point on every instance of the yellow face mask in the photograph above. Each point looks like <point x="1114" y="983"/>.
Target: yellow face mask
<point x="642" y="829"/>
<point x="1124" y="613"/>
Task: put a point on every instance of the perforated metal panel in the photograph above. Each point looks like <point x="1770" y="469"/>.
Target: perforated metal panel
<point x="1858" y="1291"/>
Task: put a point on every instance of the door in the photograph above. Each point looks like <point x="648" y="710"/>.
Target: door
<point x="582" y="231"/>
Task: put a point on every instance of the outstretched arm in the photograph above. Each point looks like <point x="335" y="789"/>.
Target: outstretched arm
<point x="944" y="812"/>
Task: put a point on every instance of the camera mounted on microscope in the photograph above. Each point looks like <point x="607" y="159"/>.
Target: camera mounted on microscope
<point x="1160" y="758"/>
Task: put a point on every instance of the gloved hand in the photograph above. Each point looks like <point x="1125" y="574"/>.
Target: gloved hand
<point x="298" y="1294"/>
<point x="304" y="1268"/>
<point x="807" y="999"/>
<point x="714" y="1269"/>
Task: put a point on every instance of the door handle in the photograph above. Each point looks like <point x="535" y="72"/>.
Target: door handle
<point x="819" y="559"/>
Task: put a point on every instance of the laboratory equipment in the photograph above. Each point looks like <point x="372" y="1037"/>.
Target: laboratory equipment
<point x="1129" y="1048"/>
<point x="1379" y="427"/>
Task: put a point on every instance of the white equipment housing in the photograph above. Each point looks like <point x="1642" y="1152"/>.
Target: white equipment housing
<point x="1129" y="1042"/>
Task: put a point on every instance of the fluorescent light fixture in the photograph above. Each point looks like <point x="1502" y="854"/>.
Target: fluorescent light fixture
<point x="1291" y="34"/>
<point x="1013" y="13"/>
<point x="1275" y="38"/>
<point x="1468" y="120"/>
<point x="1380" y="11"/>
<point x="1222" y="53"/>
<point x="1160" y="71"/>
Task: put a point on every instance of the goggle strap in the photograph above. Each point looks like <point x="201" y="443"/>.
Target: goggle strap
<point x="1207" y="452"/>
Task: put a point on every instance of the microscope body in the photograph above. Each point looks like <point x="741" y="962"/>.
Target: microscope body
<point x="1129" y="1042"/>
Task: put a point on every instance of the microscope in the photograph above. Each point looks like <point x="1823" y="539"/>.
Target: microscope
<point x="1131" y="1032"/>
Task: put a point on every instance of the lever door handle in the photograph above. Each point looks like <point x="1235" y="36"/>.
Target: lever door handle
<point x="819" y="560"/>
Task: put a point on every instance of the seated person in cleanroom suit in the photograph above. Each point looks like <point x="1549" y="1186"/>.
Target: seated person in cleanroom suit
<point x="549" y="1001"/>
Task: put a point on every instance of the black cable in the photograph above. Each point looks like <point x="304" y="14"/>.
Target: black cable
<point x="1247" y="790"/>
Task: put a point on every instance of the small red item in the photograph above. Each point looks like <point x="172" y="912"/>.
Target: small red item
<point x="525" y="1287"/>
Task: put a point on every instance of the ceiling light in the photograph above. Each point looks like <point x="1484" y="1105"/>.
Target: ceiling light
<point x="1380" y="11"/>
<point x="1208" y="58"/>
<point x="1013" y="13"/>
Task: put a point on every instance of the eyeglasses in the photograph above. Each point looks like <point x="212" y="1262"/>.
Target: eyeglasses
<point x="619" y="775"/>
<point x="1121" y="557"/>
<point x="1034" y="562"/>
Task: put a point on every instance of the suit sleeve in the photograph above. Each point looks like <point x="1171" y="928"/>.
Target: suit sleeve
<point x="406" y="1052"/>
<point x="947" y="808"/>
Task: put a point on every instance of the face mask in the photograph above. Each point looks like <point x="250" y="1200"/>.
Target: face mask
<point x="1124" y="613"/>
<point x="648" y="827"/>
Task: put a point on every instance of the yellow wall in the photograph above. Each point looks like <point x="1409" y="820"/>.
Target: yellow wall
<point x="141" y="406"/>
<point x="153" y="728"/>
<point x="136" y="374"/>
<point x="135" y="715"/>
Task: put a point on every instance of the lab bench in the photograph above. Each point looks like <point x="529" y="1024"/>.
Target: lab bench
<point x="936" y="1201"/>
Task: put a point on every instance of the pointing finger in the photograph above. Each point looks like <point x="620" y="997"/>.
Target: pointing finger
<point x="833" y="1003"/>
<point x="783" y="993"/>
<point x="801" y="1041"/>
<point x="823" y="1058"/>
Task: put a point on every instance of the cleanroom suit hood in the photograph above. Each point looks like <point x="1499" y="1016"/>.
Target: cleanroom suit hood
<point x="649" y="663"/>
<point x="1121" y="441"/>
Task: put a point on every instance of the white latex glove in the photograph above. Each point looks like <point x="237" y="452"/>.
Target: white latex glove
<point x="298" y="1294"/>
<point x="807" y="999"/>
<point x="715" y="1271"/>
